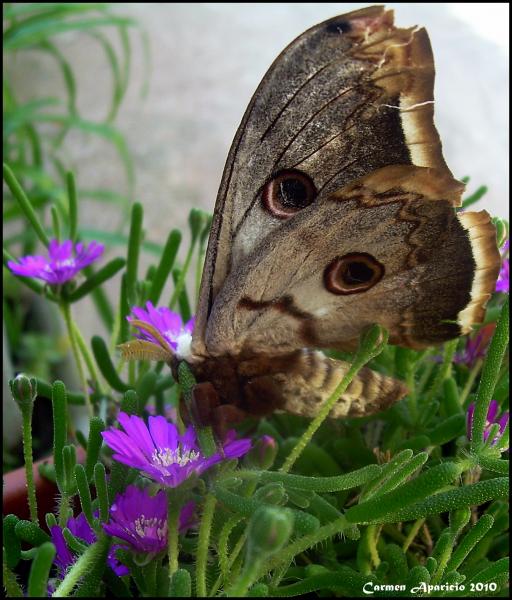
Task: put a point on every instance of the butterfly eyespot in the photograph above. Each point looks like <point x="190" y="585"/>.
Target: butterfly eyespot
<point x="352" y="273"/>
<point x="338" y="26"/>
<point x="287" y="193"/>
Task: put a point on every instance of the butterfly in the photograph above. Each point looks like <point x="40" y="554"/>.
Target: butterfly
<point x="336" y="210"/>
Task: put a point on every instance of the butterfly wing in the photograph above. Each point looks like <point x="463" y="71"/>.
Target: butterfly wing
<point x="388" y="248"/>
<point x="349" y="96"/>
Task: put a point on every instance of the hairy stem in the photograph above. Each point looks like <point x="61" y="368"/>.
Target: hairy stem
<point x="202" y="544"/>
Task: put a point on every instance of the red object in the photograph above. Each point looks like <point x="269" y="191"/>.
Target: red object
<point x="15" y="491"/>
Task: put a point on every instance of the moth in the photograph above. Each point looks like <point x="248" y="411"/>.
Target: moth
<point x="336" y="210"/>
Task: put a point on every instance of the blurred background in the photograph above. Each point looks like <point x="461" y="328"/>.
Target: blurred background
<point x="142" y="102"/>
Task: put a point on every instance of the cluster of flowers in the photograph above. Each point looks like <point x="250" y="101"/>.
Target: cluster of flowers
<point x="138" y="518"/>
<point x="157" y="449"/>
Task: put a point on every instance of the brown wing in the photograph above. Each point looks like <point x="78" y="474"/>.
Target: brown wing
<point x="388" y="248"/>
<point x="347" y="97"/>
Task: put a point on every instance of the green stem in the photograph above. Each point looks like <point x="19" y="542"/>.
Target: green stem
<point x="87" y="357"/>
<point x="222" y="545"/>
<point x="371" y="345"/>
<point x="202" y="544"/>
<point x="246" y="579"/>
<point x="234" y="555"/>
<point x="70" y="325"/>
<point x="173" y="525"/>
<point x="29" y="465"/>
<point x="80" y="569"/>
<point x="417" y="525"/>
<point x="373" y="536"/>
<point x="12" y="587"/>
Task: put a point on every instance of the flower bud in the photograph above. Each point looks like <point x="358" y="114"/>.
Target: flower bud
<point x="196" y="220"/>
<point x="269" y="530"/>
<point x="373" y="340"/>
<point x="272" y="493"/>
<point x="23" y="390"/>
<point x="262" y="454"/>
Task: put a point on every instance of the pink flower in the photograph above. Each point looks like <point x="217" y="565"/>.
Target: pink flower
<point x="140" y="519"/>
<point x="61" y="266"/>
<point x="162" y="453"/>
<point x="167" y="323"/>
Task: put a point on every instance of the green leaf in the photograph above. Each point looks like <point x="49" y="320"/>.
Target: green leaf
<point x="67" y="73"/>
<point x="25" y="204"/>
<point x="132" y="258"/>
<point x="12" y="546"/>
<point x="27" y="34"/>
<point x="447" y="430"/>
<point x="97" y="279"/>
<point x="117" y="87"/>
<point x="475" y="197"/>
<point x="100" y="482"/>
<point x="25" y="114"/>
<point x="31" y="533"/>
<point x="145" y="388"/>
<point x="469" y="495"/>
<point x="165" y="265"/>
<point x="469" y="541"/>
<point x="108" y="132"/>
<point x="40" y="569"/>
<point x="421" y="487"/>
<point x="96" y="426"/>
<point x="489" y="377"/>
<point x="102" y="356"/>
<point x="320" y="484"/>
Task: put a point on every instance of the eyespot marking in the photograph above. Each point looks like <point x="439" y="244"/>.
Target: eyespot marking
<point x="288" y="192"/>
<point x="338" y="27"/>
<point x="352" y="273"/>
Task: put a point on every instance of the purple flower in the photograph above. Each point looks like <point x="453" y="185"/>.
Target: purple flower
<point x="81" y="529"/>
<point x="490" y="421"/>
<point x="168" y="324"/>
<point x="159" y="451"/>
<point x="503" y="283"/>
<point x="476" y="346"/>
<point x="61" y="266"/>
<point x="141" y="519"/>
